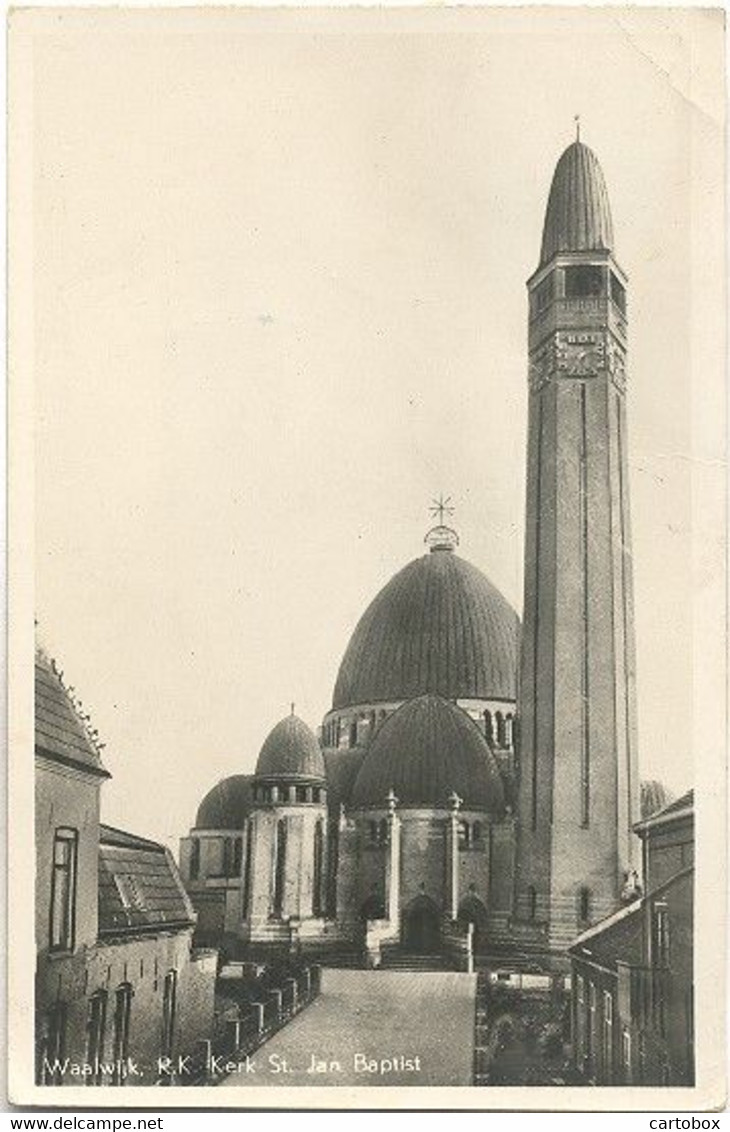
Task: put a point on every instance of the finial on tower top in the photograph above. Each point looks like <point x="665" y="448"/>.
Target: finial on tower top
<point x="577" y="127"/>
<point x="441" y="537"/>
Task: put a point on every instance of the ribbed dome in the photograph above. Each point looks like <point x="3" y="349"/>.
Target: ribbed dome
<point x="578" y="217"/>
<point x="438" y="626"/>
<point x="291" y="751"/>
<point x="226" y="805"/>
<point x="425" y="750"/>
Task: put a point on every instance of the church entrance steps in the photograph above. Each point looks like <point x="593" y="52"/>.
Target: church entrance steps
<point x="413" y="961"/>
<point x="382" y="1028"/>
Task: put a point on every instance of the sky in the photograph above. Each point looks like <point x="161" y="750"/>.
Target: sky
<point x="279" y="304"/>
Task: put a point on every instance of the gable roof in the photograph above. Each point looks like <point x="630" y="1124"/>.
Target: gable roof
<point x="140" y="889"/>
<point x="61" y="733"/>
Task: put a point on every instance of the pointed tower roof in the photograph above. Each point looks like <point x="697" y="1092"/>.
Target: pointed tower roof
<point x="578" y="216"/>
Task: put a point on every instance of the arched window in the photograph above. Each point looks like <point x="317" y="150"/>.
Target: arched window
<point x="195" y="859"/>
<point x="373" y="832"/>
<point x="279" y="867"/>
<point x="95" y="1036"/>
<point x="464" y="835"/>
<point x="237" y="856"/>
<point x="122" y="1010"/>
<point x="488" y="727"/>
<point x="531" y="903"/>
<point x="499" y="718"/>
<point x="508" y="731"/>
<point x="63" y="890"/>
<point x="247" y="871"/>
<point x="584" y="905"/>
<point x="477" y="831"/>
<point x="169" y="1008"/>
<point x="383" y="837"/>
<point x="353" y="733"/>
<point x="318" y="869"/>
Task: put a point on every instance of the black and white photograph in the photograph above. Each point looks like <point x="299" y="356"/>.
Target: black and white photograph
<point x="367" y="557"/>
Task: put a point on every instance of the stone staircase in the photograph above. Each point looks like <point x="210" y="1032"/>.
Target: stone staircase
<point x="395" y="959"/>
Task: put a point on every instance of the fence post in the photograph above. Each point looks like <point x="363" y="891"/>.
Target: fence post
<point x="292" y="984"/>
<point x="277" y="997"/>
<point x="233" y="1034"/>
<point x="258" y="1010"/>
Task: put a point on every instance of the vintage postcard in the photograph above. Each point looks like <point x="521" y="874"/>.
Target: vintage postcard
<point x="367" y="558"/>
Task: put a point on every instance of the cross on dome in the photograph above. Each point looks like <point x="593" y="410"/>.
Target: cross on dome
<point x="441" y="537"/>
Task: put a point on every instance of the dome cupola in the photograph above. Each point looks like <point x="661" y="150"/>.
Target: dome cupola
<point x="291" y="751"/>
<point x="426" y="750"/>
<point x="227" y="805"/>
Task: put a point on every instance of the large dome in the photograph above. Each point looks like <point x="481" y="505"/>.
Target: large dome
<point x="438" y="626"/>
<point x="424" y="751"/>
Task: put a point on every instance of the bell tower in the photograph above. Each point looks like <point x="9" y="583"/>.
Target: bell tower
<point x="578" y="790"/>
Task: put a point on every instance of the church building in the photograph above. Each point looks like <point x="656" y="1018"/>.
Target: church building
<point x="472" y="780"/>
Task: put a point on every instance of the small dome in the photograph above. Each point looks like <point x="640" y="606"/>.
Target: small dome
<point x="578" y="216"/>
<point x="291" y="750"/>
<point x="438" y="626"/>
<point x="424" y="751"/>
<point x="226" y="805"/>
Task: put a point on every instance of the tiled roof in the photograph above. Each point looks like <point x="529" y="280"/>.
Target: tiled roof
<point x="140" y="889"/>
<point x="618" y="938"/>
<point x="578" y="215"/>
<point x="60" y="732"/>
<point x="438" y="626"/>
<point x="426" y="750"/>
<point x="227" y="804"/>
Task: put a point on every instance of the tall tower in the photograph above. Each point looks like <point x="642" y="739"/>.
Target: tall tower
<point x="578" y="793"/>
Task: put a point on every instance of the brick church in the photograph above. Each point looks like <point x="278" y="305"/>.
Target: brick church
<point x="475" y="783"/>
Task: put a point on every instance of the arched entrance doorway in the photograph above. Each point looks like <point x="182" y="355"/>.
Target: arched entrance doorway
<point x="472" y="911"/>
<point x="421" y="926"/>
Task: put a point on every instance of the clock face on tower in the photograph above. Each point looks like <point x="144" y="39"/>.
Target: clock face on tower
<point x="580" y="354"/>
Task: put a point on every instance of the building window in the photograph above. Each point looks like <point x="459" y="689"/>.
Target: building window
<point x="95" y="1036"/>
<point x="626" y="1056"/>
<point x="129" y="892"/>
<point x="583" y="282"/>
<point x="52" y="1049"/>
<point x="247" y="871"/>
<point x="169" y="1008"/>
<point x="499" y="720"/>
<point x="591" y="1035"/>
<point x="607" y="1037"/>
<point x="63" y="890"/>
<point x="237" y="856"/>
<point x="488" y="728"/>
<point x="464" y="834"/>
<point x="353" y="733"/>
<point x="122" y="1009"/>
<point x="318" y="869"/>
<point x="301" y="794"/>
<point x="618" y="293"/>
<point x="532" y="903"/>
<point x="580" y="1007"/>
<point x="543" y="295"/>
<point x="477" y="831"/>
<point x="279" y="868"/>
<point x="661" y="935"/>
<point x="584" y="905"/>
<point x="195" y="859"/>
